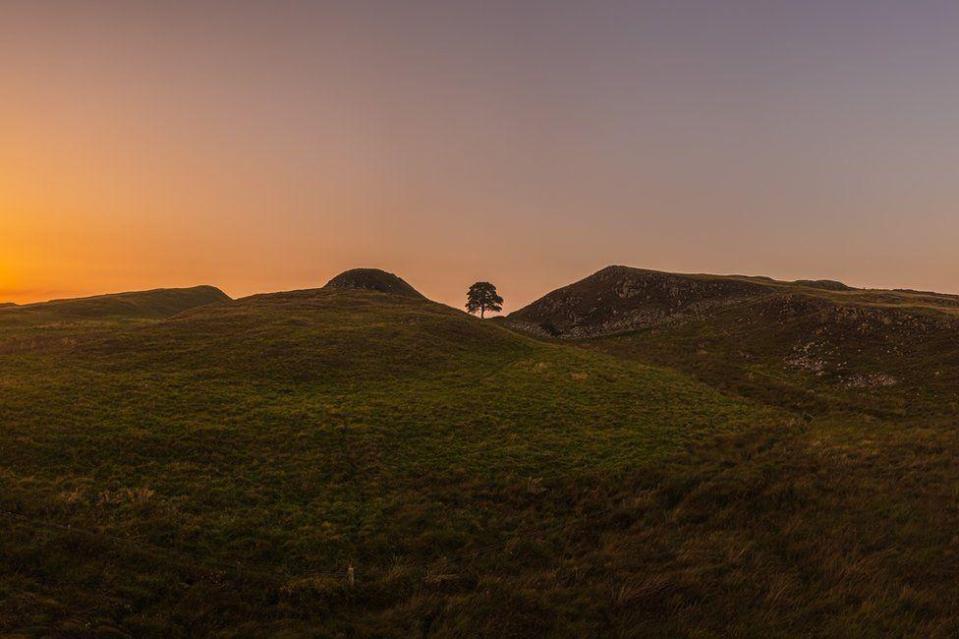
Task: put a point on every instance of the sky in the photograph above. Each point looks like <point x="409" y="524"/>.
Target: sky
<point x="263" y="146"/>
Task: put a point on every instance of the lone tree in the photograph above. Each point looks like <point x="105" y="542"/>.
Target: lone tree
<point x="482" y="297"/>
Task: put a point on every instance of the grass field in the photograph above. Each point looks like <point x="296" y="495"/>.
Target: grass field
<point x="225" y="470"/>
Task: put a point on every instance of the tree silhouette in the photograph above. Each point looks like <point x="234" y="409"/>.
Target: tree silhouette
<point x="482" y="297"/>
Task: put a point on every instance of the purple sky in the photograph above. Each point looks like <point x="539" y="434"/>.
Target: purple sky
<point x="266" y="146"/>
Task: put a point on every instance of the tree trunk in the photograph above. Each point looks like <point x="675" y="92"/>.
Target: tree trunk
<point x="482" y="311"/>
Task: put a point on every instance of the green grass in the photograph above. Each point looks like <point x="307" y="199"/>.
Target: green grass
<point x="812" y="355"/>
<point x="217" y="472"/>
<point x="156" y="304"/>
<point x="240" y="456"/>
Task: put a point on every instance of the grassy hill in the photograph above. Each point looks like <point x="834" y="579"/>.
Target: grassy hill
<point x="373" y="279"/>
<point x="33" y="327"/>
<point x="804" y="345"/>
<point x="218" y="472"/>
<point x="620" y="299"/>
<point x="811" y="354"/>
<point x="154" y="304"/>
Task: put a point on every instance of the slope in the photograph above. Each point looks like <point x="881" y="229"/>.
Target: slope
<point x="805" y="345"/>
<point x="619" y="298"/>
<point x="155" y="304"/>
<point x="373" y="279"/>
<point x="815" y="354"/>
<point x="217" y="472"/>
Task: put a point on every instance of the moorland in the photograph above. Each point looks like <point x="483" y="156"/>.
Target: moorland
<point x="638" y="454"/>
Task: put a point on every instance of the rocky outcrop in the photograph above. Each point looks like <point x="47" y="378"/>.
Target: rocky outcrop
<point x="619" y="299"/>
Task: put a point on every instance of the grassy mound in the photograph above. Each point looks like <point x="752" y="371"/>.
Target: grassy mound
<point x="219" y="471"/>
<point x="373" y="279"/>
<point x="351" y="463"/>
<point x="154" y="304"/>
<point x="619" y="298"/>
<point x="805" y="345"/>
<point x="826" y="285"/>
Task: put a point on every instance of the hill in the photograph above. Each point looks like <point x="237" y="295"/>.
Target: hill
<point x="153" y="304"/>
<point x="373" y="279"/>
<point x="619" y="298"/>
<point x="218" y="471"/>
<point x="343" y="462"/>
<point x="828" y="285"/>
<point x="798" y="344"/>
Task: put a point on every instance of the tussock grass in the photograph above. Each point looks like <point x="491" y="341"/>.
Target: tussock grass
<point x="217" y="473"/>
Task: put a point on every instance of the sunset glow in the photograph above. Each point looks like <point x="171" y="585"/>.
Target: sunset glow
<point x="522" y="319"/>
<point x="261" y="148"/>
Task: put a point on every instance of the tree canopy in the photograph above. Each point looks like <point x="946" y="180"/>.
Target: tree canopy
<point x="482" y="297"/>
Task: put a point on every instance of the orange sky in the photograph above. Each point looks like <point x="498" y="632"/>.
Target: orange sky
<point x="268" y="146"/>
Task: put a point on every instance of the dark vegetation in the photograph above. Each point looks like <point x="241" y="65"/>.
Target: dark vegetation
<point x="217" y="472"/>
<point x="373" y="279"/>
<point x="619" y="298"/>
<point x="157" y="304"/>
<point x="802" y="345"/>
<point x="482" y="297"/>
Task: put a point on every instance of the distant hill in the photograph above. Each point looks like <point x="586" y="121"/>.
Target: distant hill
<point x="154" y="304"/>
<point x="373" y="279"/>
<point x="737" y="457"/>
<point x="827" y="285"/>
<point x="620" y="298"/>
<point x="805" y="344"/>
<point x="315" y="334"/>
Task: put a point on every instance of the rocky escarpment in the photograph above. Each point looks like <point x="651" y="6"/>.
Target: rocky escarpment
<point x="859" y="345"/>
<point x="619" y="298"/>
